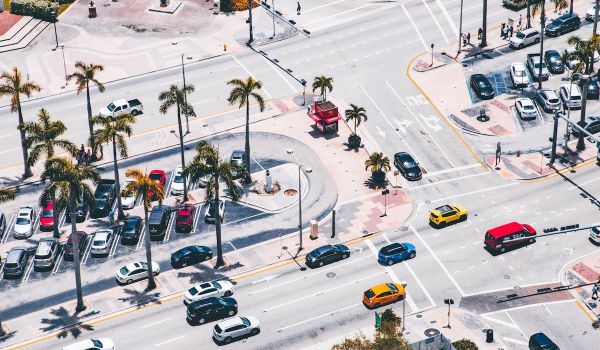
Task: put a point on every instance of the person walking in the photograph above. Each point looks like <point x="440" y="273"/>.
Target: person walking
<point x="464" y="39"/>
<point x="298" y="8"/>
<point x="520" y="22"/>
<point x="498" y="153"/>
<point x="479" y="33"/>
<point x="468" y="38"/>
<point x="101" y="152"/>
<point x="502" y="30"/>
<point x="510" y="31"/>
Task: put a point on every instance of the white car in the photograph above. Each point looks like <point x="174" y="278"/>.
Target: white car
<point x="595" y="234"/>
<point x="526" y="108"/>
<point x="570" y="94"/>
<point x="128" y="202"/>
<point x="102" y="242"/>
<point x="548" y="99"/>
<point x="92" y="344"/>
<point x="519" y="75"/>
<point x="136" y="271"/>
<point x="210" y="214"/>
<point x="524" y="38"/>
<point x="24" y="223"/>
<point x="590" y="14"/>
<point x="177" y="185"/>
<point x="236" y="327"/>
<point x="209" y="289"/>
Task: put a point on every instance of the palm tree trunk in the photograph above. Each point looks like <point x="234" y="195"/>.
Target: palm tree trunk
<point x="528" y="14"/>
<point x="90" y="124"/>
<point x="484" y="26"/>
<point x="185" y="191"/>
<point x="220" y="261"/>
<point x="581" y="139"/>
<point x="151" y="282"/>
<point x="80" y="305"/>
<point x="247" y="146"/>
<point x="121" y="214"/>
<point x="596" y="9"/>
<point x="27" y="171"/>
<point x="543" y="25"/>
<point x="55" y="216"/>
<point x="571" y="8"/>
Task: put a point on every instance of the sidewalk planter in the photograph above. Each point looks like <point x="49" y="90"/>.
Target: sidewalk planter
<point x="354" y="141"/>
<point x="40" y="9"/>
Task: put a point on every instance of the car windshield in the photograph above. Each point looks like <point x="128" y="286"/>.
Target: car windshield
<point x="483" y="84"/>
<point x="178" y="178"/>
<point x="409" y="164"/>
<point x="392" y="287"/>
<point x="369" y="294"/>
<point x="47" y="214"/>
<point x="193" y="291"/>
<point x="245" y="321"/>
<point x="23" y="221"/>
<point x="520" y="35"/>
<point x="528" y="107"/>
<point x="519" y="73"/>
<point x="557" y="22"/>
<point x="99" y="243"/>
<point x="124" y="270"/>
<point x="211" y="208"/>
<point x="156" y="177"/>
<point x="129" y="224"/>
<point x="184" y="217"/>
<point x="111" y="107"/>
<point x="97" y="343"/>
<point x="537" y="65"/>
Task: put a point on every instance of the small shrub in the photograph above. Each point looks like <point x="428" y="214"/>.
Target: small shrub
<point x="236" y="5"/>
<point x="465" y="344"/>
<point x="40" y="9"/>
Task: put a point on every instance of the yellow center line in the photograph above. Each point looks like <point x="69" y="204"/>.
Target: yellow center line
<point x="584" y="310"/>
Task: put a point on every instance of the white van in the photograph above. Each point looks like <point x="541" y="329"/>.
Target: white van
<point x="92" y="344"/>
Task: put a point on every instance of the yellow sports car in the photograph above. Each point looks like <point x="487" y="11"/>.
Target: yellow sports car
<point x="447" y="214"/>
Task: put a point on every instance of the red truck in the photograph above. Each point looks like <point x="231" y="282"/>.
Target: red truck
<point x="185" y="218"/>
<point x="326" y="116"/>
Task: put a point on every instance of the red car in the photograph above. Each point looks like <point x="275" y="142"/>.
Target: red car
<point x="509" y="235"/>
<point x="160" y="177"/>
<point x="185" y="217"/>
<point x="47" y="217"/>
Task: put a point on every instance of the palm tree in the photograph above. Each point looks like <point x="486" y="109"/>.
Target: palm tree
<point x="379" y="165"/>
<point x="355" y="114"/>
<point x="177" y="97"/>
<point x="241" y="93"/>
<point x="13" y="86"/>
<point x="142" y="186"/>
<point x="7" y="194"/>
<point x="83" y="78"/>
<point x="207" y="162"/>
<point x="69" y="185"/>
<point x="540" y="6"/>
<point x="114" y="130"/>
<point x="584" y="54"/>
<point x="323" y="84"/>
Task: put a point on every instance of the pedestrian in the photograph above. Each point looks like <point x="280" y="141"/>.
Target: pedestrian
<point x="464" y="39"/>
<point x="595" y="288"/>
<point x="498" y="153"/>
<point x="502" y="30"/>
<point x="298" y="8"/>
<point x="479" y="33"/>
<point x="468" y="38"/>
<point x="510" y="31"/>
<point x="520" y="22"/>
<point x="101" y="151"/>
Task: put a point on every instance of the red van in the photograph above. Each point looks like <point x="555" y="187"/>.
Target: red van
<point x="496" y="238"/>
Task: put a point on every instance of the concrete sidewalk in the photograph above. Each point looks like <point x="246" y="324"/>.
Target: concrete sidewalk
<point x="585" y="272"/>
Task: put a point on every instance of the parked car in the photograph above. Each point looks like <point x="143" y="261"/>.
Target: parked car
<point x="23" y="227"/>
<point x="158" y="221"/>
<point x="128" y="202"/>
<point x="16" y="262"/>
<point x="210" y="212"/>
<point x="47" y="217"/>
<point x="540" y="341"/>
<point x="519" y="75"/>
<point x="135" y="272"/>
<point x="327" y="254"/>
<point x="185" y="217"/>
<point x="524" y="38"/>
<point x="570" y="95"/>
<point x="237" y="157"/>
<point x="409" y="168"/>
<point x="190" y="255"/>
<point x="200" y="291"/>
<point x="448" y="214"/>
<point x="563" y="24"/>
<point x="210" y="309"/>
<point x="595" y="234"/>
<point x="69" y="251"/>
<point x="383" y="294"/>
<point x="591" y="14"/>
<point x="177" y="185"/>
<point x="590" y="124"/>
<point x="92" y="344"/>
<point x="526" y="108"/>
<point x="593" y="92"/>
<point x="514" y="4"/>
<point x="121" y="107"/>
<point x="498" y="239"/>
<point x="547" y="99"/>
<point x="236" y="327"/>
<point x="104" y="197"/>
<point x="46" y="253"/>
<point x="131" y="230"/>
<point x="571" y="62"/>
<point x="395" y="253"/>
<point x="81" y="212"/>
<point x="102" y="241"/>
<point x="554" y="62"/>
<point x="160" y="177"/>
<point x="2" y="225"/>
<point x="534" y="62"/>
<point x="481" y="86"/>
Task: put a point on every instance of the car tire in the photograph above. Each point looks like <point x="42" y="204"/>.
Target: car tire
<point x="129" y="282"/>
<point x="231" y="313"/>
<point x="390" y="262"/>
<point x="155" y="273"/>
<point x="412" y="255"/>
<point x="502" y="250"/>
<point x="321" y="264"/>
<point x="227" y="340"/>
<point x="536" y="41"/>
<point x="228" y="293"/>
<point x="135" y="112"/>
<point x="532" y="240"/>
<point x="521" y="46"/>
<point x="463" y="217"/>
<point x="202" y="321"/>
<point x="184" y="264"/>
<point x="345" y="256"/>
<point x="255" y="331"/>
<point x="376" y="305"/>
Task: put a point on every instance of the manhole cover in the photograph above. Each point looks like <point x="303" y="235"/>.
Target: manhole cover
<point x="365" y="232"/>
<point x="290" y="192"/>
<point x="431" y="332"/>
<point x="330" y="274"/>
<point x="506" y="277"/>
<point x="284" y="247"/>
<point x="404" y="228"/>
<point x="428" y="202"/>
<point x="419" y="316"/>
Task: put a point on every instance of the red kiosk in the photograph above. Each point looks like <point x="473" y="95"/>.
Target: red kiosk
<point x="326" y="116"/>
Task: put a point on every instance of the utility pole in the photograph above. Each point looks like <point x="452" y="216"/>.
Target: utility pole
<point x="187" y="122"/>
<point x="543" y="22"/>
<point x="251" y="38"/>
<point x="484" y="27"/>
<point x="528" y="14"/>
<point x="554" y="135"/>
<point x="460" y="28"/>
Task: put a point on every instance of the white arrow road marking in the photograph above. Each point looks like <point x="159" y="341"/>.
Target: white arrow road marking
<point x="569" y="250"/>
<point x="265" y="279"/>
<point x="403" y="125"/>
<point x="380" y="131"/>
<point x="432" y="122"/>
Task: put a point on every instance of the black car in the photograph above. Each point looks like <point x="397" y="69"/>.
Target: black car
<point x="158" y="221"/>
<point x="16" y="261"/>
<point x="210" y="309"/>
<point x="482" y="86"/>
<point x="593" y="92"/>
<point x="590" y="124"/>
<point x="327" y="254"/>
<point x="81" y="212"/>
<point x="540" y="341"/>
<point x="554" y="62"/>
<point x="2" y="224"/>
<point x="131" y="230"/>
<point x="190" y="255"/>
<point x="563" y="24"/>
<point x="68" y="249"/>
<point x="105" y="196"/>
<point x="408" y="167"/>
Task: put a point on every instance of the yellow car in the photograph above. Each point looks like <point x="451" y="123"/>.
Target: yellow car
<point x="447" y="214"/>
<point x="382" y="294"/>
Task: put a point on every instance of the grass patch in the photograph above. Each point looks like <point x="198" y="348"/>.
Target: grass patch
<point x="63" y="7"/>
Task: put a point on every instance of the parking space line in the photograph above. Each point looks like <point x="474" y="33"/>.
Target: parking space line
<point x="242" y="219"/>
<point x="115" y="243"/>
<point x="87" y="251"/>
<point x="167" y="192"/>
<point x="58" y="260"/>
<point x="436" y="21"/>
<point x="8" y="230"/>
<point x="169" y="227"/>
<point x="138" y="246"/>
<point x="197" y="217"/>
<point x="27" y="271"/>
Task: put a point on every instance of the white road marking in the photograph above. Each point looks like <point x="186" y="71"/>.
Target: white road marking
<point x="171" y="340"/>
<point x="197" y="217"/>
<point x="528" y="306"/>
<point x="448" y="18"/>
<point x="477" y="165"/>
<point x="278" y="71"/>
<point x="504" y="323"/>
<point x="199" y="102"/>
<point x="515" y="323"/>
<point x="170" y="226"/>
<point x="545" y="307"/>
<point x="322" y="6"/>
<point x="514" y="341"/>
<point x="474" y="192"/>
<point x="58" y="261"/>
<point x="415" y="26"/>
<point x="157" y="322"/>
<point x="9" y="229"/>
<point x="436" y="21"/>
<point x="331" y="313"/>
<point x="448" y="180"/>
<point x="250" y="74"/>
<point x="584" y="183"/>
<point x="115" y="243"/>
<point x="328" y="23"/>
<point x="27" y="272"/>
<point x="265" y="279"/>
<point x="141" y="239"/>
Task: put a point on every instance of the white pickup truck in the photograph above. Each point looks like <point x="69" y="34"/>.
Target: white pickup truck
<point x="120" y="107"/>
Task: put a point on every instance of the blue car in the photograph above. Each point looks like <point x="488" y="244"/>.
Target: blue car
<point x="396" y="252"/>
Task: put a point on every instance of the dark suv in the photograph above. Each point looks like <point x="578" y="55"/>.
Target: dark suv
<point x="210" y="309"/>
<point x="105" y="196"/>
<point x="2" y="224"/>
<point x="131" y="230"/>
<point x="563" y="24"/>
<point x="81" y="212"/>
<point x="590" y="124"/>
<point x="69" y="251"/>
<point x="540" y="341"/>
<point x="158" y="221"/>
<point x="15" y="263"/>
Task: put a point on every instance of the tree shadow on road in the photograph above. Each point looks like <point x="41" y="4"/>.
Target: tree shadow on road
<point x="205" y="273"/>
<point x="141" y="298"/>
<point x="7" y="336"/>
<point x="64" y="318"/>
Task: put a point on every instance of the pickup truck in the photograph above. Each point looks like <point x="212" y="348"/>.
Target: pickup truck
<point x="105" y="196"/>
<point x="533" y="64"/>
<point x="120" y="107"/>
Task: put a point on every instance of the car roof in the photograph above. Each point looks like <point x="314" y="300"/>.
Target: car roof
<point x="525" y="100"/>
<point x="444" y="208"/>
<point x="157" y="171"/>
<point x="234" y="321"/>
<point x="389" y="247"/>
<point x="25" y="210"/>
<point x="404" y="156"/>
<point x="14" y="254"/>
<point x="380" y="288"/>
<point x="133" y="217"/>
<point x="134" y="265"/>
<point x="567" y="16"/>
<point x="519" y="65"/>
<point x="541" y="338"/>
<point x="237" y="152"/>
<point x="530" y="30"/>
<point x="45" y="245"/>
<point x="505" y="229"/>
<point x="102" y="234"/>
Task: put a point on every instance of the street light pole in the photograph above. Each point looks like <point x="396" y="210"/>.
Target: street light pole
<point x="484" y="26"/>
<point x="273" y="5"/>
<point x="187" y="123"/>
<point x="307" y="170"/>
<point x="53" y="14"/>
<point x="251" y="37"/>
<point x="554" y="135"/>
<point x="404" y="284"/>
<point x="185" y="192"/>
<point x="460" y="28"/>
<point x="62" y="48"/>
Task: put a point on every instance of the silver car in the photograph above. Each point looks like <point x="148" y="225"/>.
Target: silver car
<point x="102" y="242"/>
<point x="46" y="253"/>
<point x="23" y="227"/>
<point x="524" y="38"/>
<point x="547" y="99"/>
<point x="236" y="327"/>
<point x="595" y="234"/>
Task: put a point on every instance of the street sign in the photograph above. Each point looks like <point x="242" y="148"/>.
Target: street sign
<point x="377" y="320"/>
